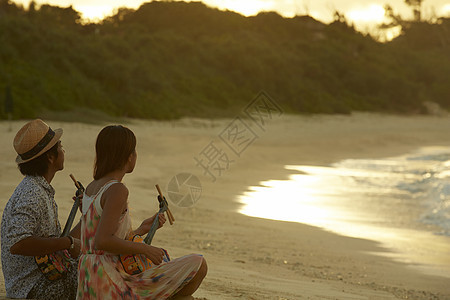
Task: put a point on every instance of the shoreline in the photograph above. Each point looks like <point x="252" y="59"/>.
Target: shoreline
<point x="427" y="252"/>
<point x="248" y="257"/>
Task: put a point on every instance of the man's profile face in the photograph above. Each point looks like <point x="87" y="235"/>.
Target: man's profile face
<point x="59" y="162"/>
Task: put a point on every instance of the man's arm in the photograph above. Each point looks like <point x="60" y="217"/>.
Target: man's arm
<point x="23" y="225"/>
<point x="37" y="246"/>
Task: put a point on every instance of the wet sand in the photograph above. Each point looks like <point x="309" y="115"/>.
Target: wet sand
<point x="254" y="258"/>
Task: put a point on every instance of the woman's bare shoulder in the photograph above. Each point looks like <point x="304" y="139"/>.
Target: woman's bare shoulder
<point x="95" y="186"/>
<point x="116" y="193"/>
<point x="117" y="188"/>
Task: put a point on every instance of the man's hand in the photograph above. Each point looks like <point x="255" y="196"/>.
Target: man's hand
<point x="74" y="198"/>
<point x="75" y="251"/>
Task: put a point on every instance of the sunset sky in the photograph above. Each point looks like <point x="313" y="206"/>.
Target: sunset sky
<point x="362" y="13"/>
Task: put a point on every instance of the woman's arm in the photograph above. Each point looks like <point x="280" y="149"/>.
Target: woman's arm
<point x="147" y="224"/>
<point x="115" y="202"/>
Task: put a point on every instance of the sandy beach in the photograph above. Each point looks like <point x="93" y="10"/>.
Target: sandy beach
<point x="254" y="258"/>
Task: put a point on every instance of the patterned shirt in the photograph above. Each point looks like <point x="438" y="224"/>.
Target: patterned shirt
<point x="31" y="211"/>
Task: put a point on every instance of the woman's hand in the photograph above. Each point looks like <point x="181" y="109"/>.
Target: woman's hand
<point x="147" y="224"/>
<point x="154" y="254"/>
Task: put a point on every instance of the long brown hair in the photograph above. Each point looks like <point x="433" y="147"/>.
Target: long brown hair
<point x="115" y="144"/>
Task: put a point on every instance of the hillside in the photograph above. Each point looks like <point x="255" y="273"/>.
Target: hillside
<point x="171" y="59"/>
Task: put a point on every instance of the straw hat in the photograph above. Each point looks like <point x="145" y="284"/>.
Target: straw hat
<point x="34" y="139"/>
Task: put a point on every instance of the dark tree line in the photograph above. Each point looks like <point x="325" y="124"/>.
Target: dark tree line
<point x="171" y="59"/>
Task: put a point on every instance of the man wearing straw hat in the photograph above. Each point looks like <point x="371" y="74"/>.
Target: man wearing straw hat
<point x="30" y="225"/>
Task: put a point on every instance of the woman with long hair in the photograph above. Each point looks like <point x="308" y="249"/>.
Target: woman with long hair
<point x="106" y="231"/>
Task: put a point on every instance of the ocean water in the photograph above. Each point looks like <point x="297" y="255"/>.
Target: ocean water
<point x="402" y="202"/>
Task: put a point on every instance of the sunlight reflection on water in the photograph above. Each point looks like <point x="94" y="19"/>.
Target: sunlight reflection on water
<point x="384" y="200"/>
<point x="320" y="197"/>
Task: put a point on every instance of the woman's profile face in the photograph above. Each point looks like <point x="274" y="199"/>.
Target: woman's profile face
<point x="132" y="161"/>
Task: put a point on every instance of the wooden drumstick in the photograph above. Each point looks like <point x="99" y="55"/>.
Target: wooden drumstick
<point x="75" y="181"/>
<point x="169" y="213"/>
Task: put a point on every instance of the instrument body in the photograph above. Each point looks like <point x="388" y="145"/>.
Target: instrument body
<point x="56" y="265"/>
<point x="136" y="263"/>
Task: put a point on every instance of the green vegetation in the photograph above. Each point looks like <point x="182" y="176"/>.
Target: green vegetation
<point x="172" y="59"/>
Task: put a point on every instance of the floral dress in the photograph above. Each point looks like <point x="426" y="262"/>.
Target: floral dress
<point x="101" y="276"/>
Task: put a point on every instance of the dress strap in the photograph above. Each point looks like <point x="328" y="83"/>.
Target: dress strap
<point x="88" y="200"/>
<point x="98" y="197"/>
